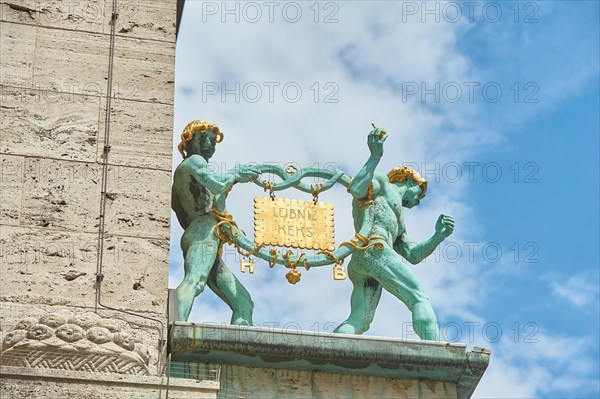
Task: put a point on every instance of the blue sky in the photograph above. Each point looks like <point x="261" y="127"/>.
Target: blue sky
<point x="518" y="171"/>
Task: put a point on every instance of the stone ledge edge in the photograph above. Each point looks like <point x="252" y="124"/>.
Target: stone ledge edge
<point x="73" y="377"/>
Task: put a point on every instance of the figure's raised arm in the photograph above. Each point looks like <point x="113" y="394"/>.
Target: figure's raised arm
<point x="359" y="187"/>
<point x="218" y="183"/>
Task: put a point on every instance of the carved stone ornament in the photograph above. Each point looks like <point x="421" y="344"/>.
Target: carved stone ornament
<point x="76" y="342"/>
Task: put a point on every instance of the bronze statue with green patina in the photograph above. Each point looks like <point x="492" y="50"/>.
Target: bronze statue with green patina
<point x="199" y="196"/>
<point x="197" y="192"/>
<point x="378" y="202"/>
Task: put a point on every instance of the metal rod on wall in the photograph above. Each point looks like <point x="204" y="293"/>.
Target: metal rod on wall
<point x="103" y="198"/>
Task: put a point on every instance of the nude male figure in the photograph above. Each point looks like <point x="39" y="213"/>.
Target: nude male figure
<point x="380" y="198"/>
<point x="197" y="189"/>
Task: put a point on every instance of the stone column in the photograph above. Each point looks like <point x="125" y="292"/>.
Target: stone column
<point x="54" y="83"/>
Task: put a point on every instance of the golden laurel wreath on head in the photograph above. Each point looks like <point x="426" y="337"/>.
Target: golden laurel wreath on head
<point x="197" y="126"/>
<point x="401" y="173"/>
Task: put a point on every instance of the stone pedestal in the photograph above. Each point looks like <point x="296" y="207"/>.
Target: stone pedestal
<point x="256" y="362"/>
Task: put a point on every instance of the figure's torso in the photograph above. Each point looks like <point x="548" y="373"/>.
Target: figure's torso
<point x="190" y="199"/>
<point x="386" y="211"/>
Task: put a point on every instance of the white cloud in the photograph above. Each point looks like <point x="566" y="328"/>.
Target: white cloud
<point x="539" y="365"/>
<point x="580" y="290"/>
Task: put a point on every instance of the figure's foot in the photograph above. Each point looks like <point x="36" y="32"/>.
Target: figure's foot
<point x="346" y="328"/>
<point x="240" y="321"/>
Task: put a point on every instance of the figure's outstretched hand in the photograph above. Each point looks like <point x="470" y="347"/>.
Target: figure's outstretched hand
<point x="247" y="173"/>
<point x="375" y="141"/>
<point x="444" y="225"/>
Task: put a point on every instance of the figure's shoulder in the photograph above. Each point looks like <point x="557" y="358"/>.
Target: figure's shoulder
<point x="381" y="179"/>
<point x="380" y="183"/>
<point x="194" y="164"/>
<point x="380" y="176"/>
<point x="193" y="161"/>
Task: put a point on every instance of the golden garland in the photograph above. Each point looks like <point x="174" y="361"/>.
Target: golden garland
<point x="367" y="242"/>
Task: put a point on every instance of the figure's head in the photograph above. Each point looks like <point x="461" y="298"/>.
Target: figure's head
<point x="415" y="185"/>
<point x="199" y="137"/>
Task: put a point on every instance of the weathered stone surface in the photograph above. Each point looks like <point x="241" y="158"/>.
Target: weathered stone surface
<point x="329" y="385"/>
<point x="61" y="194"/>
<point x="19" y="382"/>
<point x="437" y="389"/>
<point x="17" y="48"/>
<point x="135" y="273"/>
<point x="11" y="184"/>
<point x="139" y="202"/>
<point x="281" y="383"/>
<point x="237" y="380"/>
<point x="71" y="61"/>
<point x="75" y="15"/>
<point x="49" y="124"/>
<point x="144" y="70"/>
<point x="35" y="262"/>
<point x="133" y="122"/>
<point x="247" y="382"/>
<point x="138" y="18"/>
<point x="40" y="263"/>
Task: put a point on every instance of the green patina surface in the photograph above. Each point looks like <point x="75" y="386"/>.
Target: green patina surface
<point x="338" y="353"/>
<point x="199" y="196"/>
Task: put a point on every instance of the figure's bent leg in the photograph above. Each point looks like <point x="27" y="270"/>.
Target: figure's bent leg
<point x="400" y="281"/>
<point x="233" y="293"/>
<point x="424" y="321"/>
<point x="365" y="298"/>
<point x="197" y="268"/>
<point x="200" y="251"/>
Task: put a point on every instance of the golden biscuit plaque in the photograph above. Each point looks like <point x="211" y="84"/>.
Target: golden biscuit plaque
<point x="294" y="223"/>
